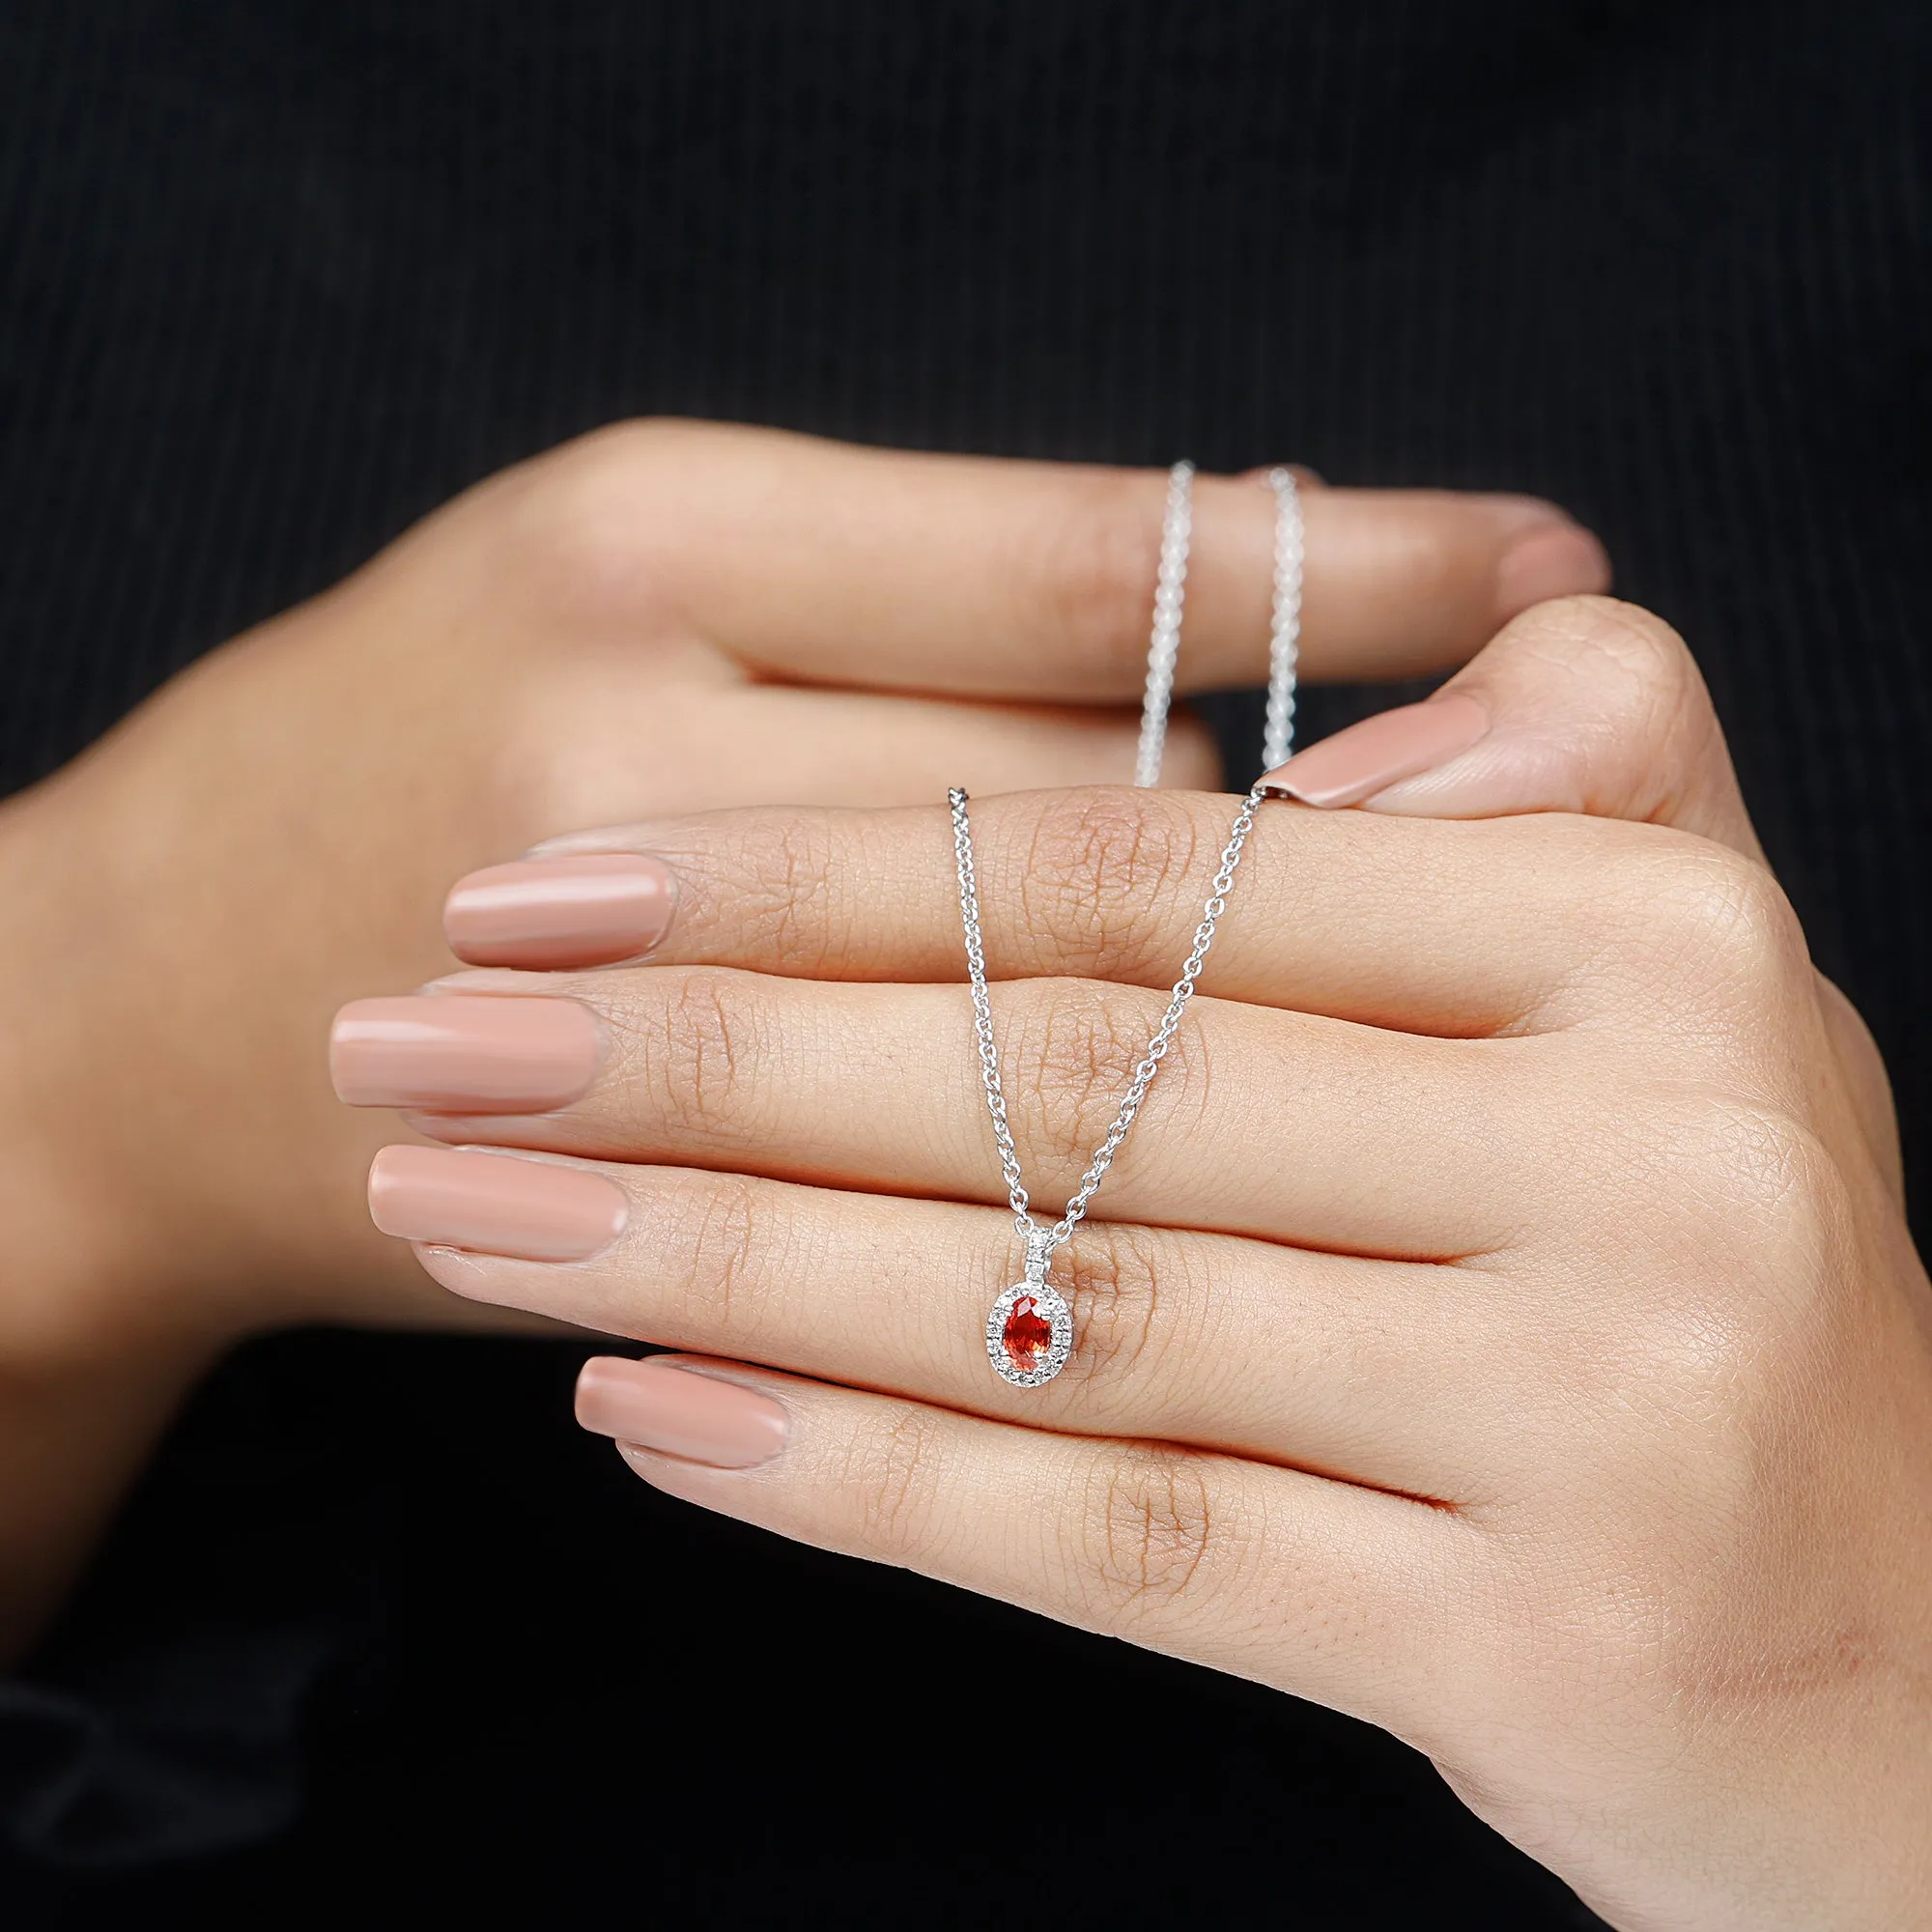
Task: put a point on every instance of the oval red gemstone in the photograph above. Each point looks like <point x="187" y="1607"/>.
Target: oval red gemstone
<point x="1027" y="1335"/>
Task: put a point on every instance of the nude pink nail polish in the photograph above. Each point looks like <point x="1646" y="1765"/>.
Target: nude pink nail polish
<point x="465" y="1053"/>
<point x="1357" y="763"/>
<point x="492" y="1204"/>
<point x="659" y="1404"/>
<point x="580" y="911"/>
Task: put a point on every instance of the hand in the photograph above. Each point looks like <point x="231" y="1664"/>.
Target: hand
<point x="1503" y="1327"/>
<point x="659" y="618"/>
<point x="662" y="618"/>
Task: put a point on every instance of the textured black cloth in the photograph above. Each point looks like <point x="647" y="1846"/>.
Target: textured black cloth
<point x="382" y="1633"/>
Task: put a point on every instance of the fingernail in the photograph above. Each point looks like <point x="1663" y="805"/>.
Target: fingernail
<point x="587" y="910"/>
<point x="494" y="1203"/>
<point x="1555" y="560"/>
<point x="678" y="1412"/>
<point x="466" y="1054"/>
<point x="1357" y="763"/>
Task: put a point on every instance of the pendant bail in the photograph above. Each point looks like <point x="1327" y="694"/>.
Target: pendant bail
<point x="1039" y="1252"/>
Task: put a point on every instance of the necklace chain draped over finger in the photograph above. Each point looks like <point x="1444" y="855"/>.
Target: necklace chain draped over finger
<point x="1030" y="1326"/>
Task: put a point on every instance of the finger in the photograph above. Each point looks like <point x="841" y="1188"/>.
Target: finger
<point x="1032" y="580"/>
<point x="719" y="737"/>
<point x="1349" y="1367"/>
<point x="596" y="910"/>
<point x="1324" y="1590"/>
<point x="898" y="750"/>
<point x="1584" y="705"/>
<point x="1513" y="926"/>
<point x="1276" y="1124"/>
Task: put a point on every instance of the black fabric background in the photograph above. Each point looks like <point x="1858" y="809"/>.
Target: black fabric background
<point x="383" y="1634"/>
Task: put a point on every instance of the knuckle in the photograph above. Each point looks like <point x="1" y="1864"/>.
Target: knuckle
<point x="1149" y="1525"/>
<point x="1742" y="1359"/>
<point x="695" y="1064"/>
<point x="582" y="537"/>
<point x="729" y="1245"/>
<point x="615" y="451"/>
<point x="1114" y="1287"/>
<point x="889" y="1473"/>
<point x="1103" y="867"/>
<point x="1700" y="1264"/>
<point x="775" y="872"/>
<point x="1744" y="1209"/>
<point x="1073" y="1045"/>
<point x="1770" y="1203"/>
<point x="1715" y="922"/>
<point x="1090" y="571"/>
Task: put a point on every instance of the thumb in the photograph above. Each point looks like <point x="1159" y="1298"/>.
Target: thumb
<point x="1584" y="704"/>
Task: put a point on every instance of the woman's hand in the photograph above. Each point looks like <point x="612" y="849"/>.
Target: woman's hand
<point x="1502" y="1325"/>
<point x="661" y="618"/>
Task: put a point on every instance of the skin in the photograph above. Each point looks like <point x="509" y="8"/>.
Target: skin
<point x="1501" y="1324"/>
<point x="664" y="617"/>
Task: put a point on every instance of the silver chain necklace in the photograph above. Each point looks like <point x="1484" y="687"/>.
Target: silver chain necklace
<point x="1029" y="1329"/>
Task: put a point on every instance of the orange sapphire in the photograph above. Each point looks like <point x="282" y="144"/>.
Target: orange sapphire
<point x="1027" y="1336"/>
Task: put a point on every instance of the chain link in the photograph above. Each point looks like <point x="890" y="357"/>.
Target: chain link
<point x="1042" y="1242"/>
<point x="1163" y="652"/>
<point x="1177" y="532"/>
<point x="1285" y="620"/>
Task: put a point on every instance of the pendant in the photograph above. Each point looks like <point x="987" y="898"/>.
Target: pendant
<point x="1029" y="1334"/>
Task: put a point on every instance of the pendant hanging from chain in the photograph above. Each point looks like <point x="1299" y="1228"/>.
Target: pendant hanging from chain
<point x="1030" y="1326"/>
<point x="1014" y="1344"/>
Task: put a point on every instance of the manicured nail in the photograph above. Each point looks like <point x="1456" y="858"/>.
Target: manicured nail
<point x="587" y="910"/>
<point x="495" y="1203"/>
<point x="464" y="1053"/>
<point x="679" y="1411"/>
<point x="1357" y="763"/>
<point x="1555" y="560"/>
